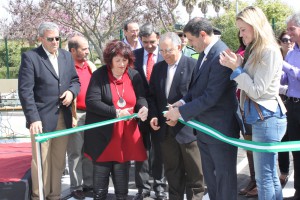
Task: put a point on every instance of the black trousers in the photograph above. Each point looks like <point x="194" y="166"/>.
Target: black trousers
<point x="153" y="166"/>
<point x="120" y="178"/>
<point x="183" y="170"/>
<point x="284" y="158"/>
<point x="293" y="129"/>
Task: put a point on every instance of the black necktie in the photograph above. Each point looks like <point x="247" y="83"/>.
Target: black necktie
<point x="201" y="56"/>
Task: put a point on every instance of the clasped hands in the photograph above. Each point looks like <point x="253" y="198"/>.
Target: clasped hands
<point x="172" y="116"/>
<point x="230" y="59"/>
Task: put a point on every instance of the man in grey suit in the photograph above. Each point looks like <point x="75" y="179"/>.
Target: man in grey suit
<point x="169" y="82"/>
<point x="211" y="100"/>
<point x="48" y="83"/>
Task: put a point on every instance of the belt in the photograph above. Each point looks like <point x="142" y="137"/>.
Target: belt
<point x="294" y="99"/>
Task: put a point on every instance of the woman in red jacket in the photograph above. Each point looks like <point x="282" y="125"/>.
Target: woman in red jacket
<point x="114" y="91"/>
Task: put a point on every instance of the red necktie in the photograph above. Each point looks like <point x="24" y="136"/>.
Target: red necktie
<point x="150" y="64"/>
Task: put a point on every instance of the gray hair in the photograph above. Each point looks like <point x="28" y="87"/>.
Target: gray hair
<point x="295" y="18"/>
<point x="170" y="35"/>
<point x="46" y="26"/>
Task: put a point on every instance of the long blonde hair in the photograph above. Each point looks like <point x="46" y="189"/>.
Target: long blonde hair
<point x="263" y="32"/>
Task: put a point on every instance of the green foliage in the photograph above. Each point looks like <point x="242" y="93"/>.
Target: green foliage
<point x="272" y="9"/>
<point x="226" y="23"/>
<point x="275" y="11"/>
<point x="15" y="48"/>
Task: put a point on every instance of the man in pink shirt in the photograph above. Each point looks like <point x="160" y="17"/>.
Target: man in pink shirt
<point x="80" y="167"/>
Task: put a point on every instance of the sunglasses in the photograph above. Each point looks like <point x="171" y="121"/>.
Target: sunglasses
<point x="181" y="34"/>
<point x="285" y="40"/>
<point x="51" y="39"/>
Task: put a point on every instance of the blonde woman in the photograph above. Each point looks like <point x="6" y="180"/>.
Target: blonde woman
<point x="258" y="76"/>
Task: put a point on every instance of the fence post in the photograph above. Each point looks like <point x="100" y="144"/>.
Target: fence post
<point x="6" y="58"/>
<point x="273" y="24"/>
<point x="121" y="34"/>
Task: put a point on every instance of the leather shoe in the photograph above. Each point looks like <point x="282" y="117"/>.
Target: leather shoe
<point x="87" y="189"/>
<point x="141" y="195"/>
<point x="78" y="194"/>
<point x="251" y="185"/>
<point x="283" y="179"/>
<point x="252" y="193"/>
<point x="160" y="195"/>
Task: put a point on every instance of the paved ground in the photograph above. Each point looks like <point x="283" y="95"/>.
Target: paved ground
<point x="243" y="178"/>
<point x="13" y="123"/>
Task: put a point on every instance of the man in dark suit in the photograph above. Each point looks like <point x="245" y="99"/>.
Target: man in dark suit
<point x="211" y="100"/>
<point x="169" y="82"/>
<point x="48" y="83"/>
<point x="144" y="62"/>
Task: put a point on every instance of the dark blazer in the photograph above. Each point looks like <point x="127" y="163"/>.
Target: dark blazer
<point x="99" y="107"/>
<point x="158" y="100"/>
<point x="211" y="98"/>
<point x="138" y="65"/>
<point x="40" y="88"/>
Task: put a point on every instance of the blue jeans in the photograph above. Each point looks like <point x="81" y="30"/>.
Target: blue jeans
<point x="270" y="130"/>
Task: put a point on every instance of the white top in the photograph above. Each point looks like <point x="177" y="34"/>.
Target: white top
<point x="208" y="48"/>
<point x="170" y="75"/>
<point x="261" y="82"/>
<point x="138" y="46"/>
<point x="53" y="60"/>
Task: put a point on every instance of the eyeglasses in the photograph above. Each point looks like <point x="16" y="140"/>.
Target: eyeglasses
<point x="167" y="51"/>
<point x="285" y="40"/>
<point x="181" y="34"/>
<point x="51" y="39"/>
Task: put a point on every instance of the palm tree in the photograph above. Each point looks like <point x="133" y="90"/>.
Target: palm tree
<point x="189" y="6"/>
<point x="217" y="5"/>
<point x="203" y="5"/>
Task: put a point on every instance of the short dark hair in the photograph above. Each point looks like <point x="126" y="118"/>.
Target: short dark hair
<point x="117" y="47"/>
<point x="197" y="24"/>
<point x="125" y="25"/>
<point x="147" y="29"/>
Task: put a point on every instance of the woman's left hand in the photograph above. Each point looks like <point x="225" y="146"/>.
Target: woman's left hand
<point x="230" y="59"/>
<point x="143" y="113"/>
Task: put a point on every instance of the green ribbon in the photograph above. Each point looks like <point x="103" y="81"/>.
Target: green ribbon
<point x="245" y="144"/>
<point x="43" y="137"/>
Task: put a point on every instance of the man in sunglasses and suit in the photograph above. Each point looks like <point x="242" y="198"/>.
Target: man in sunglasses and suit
<point x="47" y="85"/>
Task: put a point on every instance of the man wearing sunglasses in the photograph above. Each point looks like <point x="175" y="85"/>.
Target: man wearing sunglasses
<point x="185" y="48"/>
<point x="47" y="85"/>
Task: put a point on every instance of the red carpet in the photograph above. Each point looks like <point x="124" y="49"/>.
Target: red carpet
<point x="15" y="160"/>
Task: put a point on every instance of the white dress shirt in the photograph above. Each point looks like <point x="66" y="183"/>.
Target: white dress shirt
<point x="53" y="60"/>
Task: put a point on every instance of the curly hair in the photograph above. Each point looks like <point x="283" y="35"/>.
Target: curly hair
<point x="117" y="47"/>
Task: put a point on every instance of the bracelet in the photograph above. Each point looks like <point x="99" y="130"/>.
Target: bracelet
<point x="118" y="113"/>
